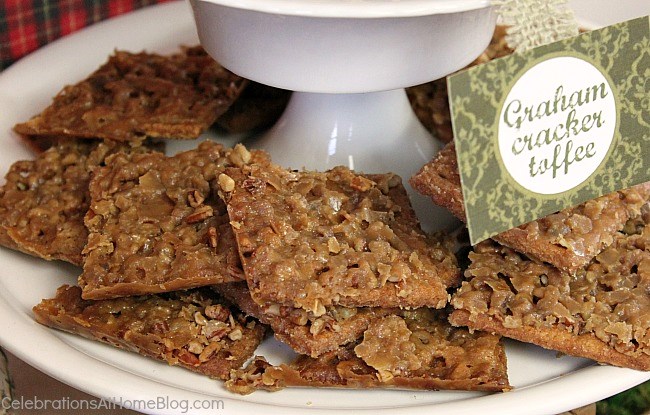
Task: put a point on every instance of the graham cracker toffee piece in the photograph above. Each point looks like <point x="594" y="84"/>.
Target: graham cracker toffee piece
<point x="418" y="351"/>
<point x="440" y="180"/>
<point x="568" y="239"/>
<point x="136" y="95"/>
<point x="157" y="225"/>
<point x="192" y="329"/>
<point x="300" y="329"/>
<point x="310" y="240"/>
<point x="43" y="202"/>
<point x="600" y="313"/>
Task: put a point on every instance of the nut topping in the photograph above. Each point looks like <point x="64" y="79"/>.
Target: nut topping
<point x="209" y="351"/>
<point x="217" y="312"/>
<point x="213" y="237"/>
<point x="200" y="214"/>
<point x="226" y="183"/>
<point x="195" y="198"/>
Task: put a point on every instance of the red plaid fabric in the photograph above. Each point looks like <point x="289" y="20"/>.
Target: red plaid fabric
<point x="26" y="25"/>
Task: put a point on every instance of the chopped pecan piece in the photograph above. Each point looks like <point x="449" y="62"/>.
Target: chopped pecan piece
<point x="200" y="214"/>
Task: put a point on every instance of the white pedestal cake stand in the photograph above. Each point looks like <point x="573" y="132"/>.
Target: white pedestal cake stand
<point x="348" y="62"/>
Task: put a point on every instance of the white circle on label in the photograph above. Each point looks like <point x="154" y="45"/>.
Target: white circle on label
<point x="557" y="125"/>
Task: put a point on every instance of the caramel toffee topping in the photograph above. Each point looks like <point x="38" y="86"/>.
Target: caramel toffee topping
<point x="601" y="312"/>
<point x="419" y="350"/>
<point x="157" y="223"/>
<point x="310" y="240"/>
<point x="193" y="329"/>
<point x="137" y="95"/>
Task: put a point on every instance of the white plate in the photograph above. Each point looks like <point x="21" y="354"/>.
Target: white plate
<point x="544" y="384"/>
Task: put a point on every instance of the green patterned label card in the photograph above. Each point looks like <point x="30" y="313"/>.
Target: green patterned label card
<point x="550" y="128"/>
